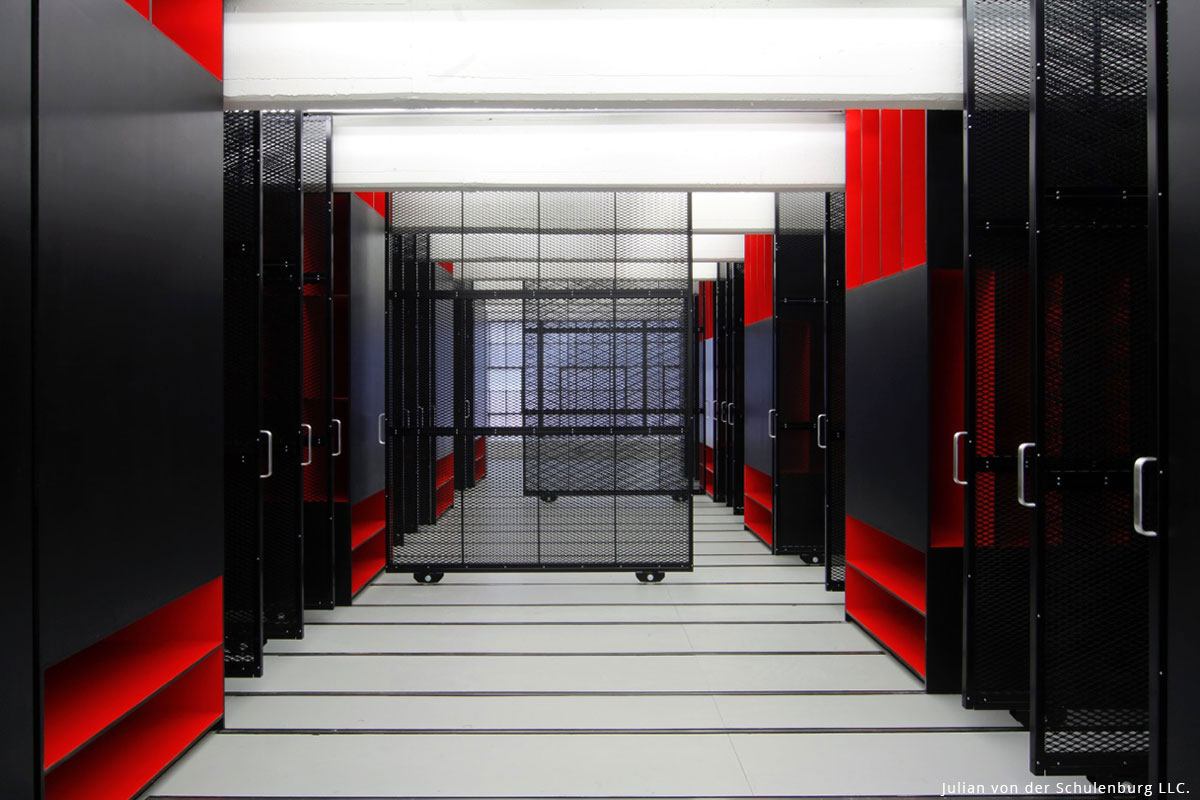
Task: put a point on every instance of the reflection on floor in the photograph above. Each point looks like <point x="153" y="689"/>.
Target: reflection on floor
<point x="738" y="679"/>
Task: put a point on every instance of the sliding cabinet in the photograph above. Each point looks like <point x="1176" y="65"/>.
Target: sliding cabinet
<point x="703" y="463"/>
<point x="264" y="365"/>
<point x="360" y="295"/>
<point x="320" y="441"/>
<point x="999" y="412"/>
<point x="759" y="388"/>
<point x="110" y="150"/>
<point x="539" y="395"/>
<point x="1170" y="512"/>
<point x="904" y="355"/>
<point x="798" y="421"/>
<point x="831" y="426"/>
<point x="1094" y="379"/>
<point x="729" y="375"/>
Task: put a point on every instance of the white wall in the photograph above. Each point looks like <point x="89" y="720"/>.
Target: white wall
<point x="769" y="151"/>
<point x="793" y="54"/>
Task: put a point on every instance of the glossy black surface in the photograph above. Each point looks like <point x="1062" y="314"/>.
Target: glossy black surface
<point x="19" y="758"/>
<point x="759" y="393"/>
<point x="128" y="322"/>
<point x="887" y="405"/>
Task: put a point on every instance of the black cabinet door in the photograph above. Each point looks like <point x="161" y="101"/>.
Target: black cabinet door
<point x="736" y="376"/>
<point x="832" y="431"/>
<point x="1094" y="381"/>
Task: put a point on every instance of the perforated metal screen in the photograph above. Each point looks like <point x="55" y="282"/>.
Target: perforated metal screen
<point x="1095" y="354"/>
<point x="551" y="331"/>
<point x="999" y="406"/>
<point x="835" y="391"/>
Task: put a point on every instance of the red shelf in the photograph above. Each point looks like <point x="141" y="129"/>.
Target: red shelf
<point x="760" y="522"/>
<point x="896" y="626"/>
<point x="90" y="691"/>
<point x="367" y="561"/>
<point x="367" y="518"/>
<point x="135" y="751"/>
<point x="893" y="565"/>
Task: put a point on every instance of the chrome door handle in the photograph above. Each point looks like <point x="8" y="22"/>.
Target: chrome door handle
<point x="338" y="424"/>
<point x="1139" y="510"/>
<point x="771" y="423"/>
<point x="957" y="438"/>
<point x="1021" y="451"/>
<point x="308" y="430"/>
<point x="723" y="416"/>
<point x="420" y="416"/>
<point x="379" y="429"/>
<point x="729" y="414"/>
<point x="467" y="411"/>
<point x="822" y="423"/>
<point x="270" y="455"/>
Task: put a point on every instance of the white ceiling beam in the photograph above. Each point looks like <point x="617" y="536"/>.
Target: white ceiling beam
<point x="721" y="151"/>
<point x="772" y="54"/>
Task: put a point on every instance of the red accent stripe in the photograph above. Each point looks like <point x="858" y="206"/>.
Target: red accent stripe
<point x="913" y="177"/>
<point x="758" y="503"/>
<point x="367" y="518"/>
<point x="142" y="7"/>
<point x="871" y="264"/>
<point x="853" y="198"/>
<point x="444" y="484"/>
<point x="889" y="187"/>
<point x="195" y="25"/>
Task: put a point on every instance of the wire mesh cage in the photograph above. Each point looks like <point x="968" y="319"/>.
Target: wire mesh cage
<point x="541" y="404"/>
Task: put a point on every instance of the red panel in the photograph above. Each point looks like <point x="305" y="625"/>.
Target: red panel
<point x="706" y="308"/>
<point x="889" y="191"/>
<point x="131" y="754"/>
<point x="142" y="6"/>
<point x="900" y="628"/>
<point x="947" y="412"/>
<point x="871" y="264"/>
<point x="759" y="277"/>
<point x="913" y="179"/>
<point x="367" y="518"/>
<point x="444" y="484"/>
<point x="88" y="692"/>
<point x="480" y="458"/>
<point x="196" y="26"/>
<point x="853" y="199"/>
<point x="709" y="474"/>
<point x="894" y="566"/>
<point x="446" y="265"/>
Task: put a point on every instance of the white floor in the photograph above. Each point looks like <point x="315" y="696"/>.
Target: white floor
<point x="739" y="679"/>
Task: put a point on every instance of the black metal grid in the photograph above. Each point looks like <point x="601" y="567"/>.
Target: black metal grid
<point x="580" y="313"/>
<point x="1093" y="387"/>
<point x="242" y="321"/>
<point x="283" y="538"/>
<point x="835" y="391"/>
<point x="999" y="394"/>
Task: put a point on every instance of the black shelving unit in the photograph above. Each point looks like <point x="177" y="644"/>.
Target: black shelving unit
<point x="998" y="400"/>
<point x="318" y="321"/>
<point x="729" y="376"/>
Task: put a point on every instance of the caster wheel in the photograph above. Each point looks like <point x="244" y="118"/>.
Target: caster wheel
<point x="425" y="576"/>
<point x="651" y="577"/>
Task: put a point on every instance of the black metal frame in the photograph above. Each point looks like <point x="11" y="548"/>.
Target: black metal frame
<point x="1087" y="206"/>
<point x="997" y="298"/>
<point x="835" y="391"/>
<point x="417" y="283"/>
<point x="729" y="375"/>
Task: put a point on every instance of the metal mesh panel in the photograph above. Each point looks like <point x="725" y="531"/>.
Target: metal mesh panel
<point x="835" y="392"/>
<point x="580" y="315"/>
<point x="243" y="503"/>
<point x="1091" y="690"/>
<point x="801" y="212"/>
<point x="283" y="592"/>
<point x="1000" y="411"/>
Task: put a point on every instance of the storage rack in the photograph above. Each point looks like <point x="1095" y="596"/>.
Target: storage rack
<point x="581" y="310"/>
<point x="833" y="436"/>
